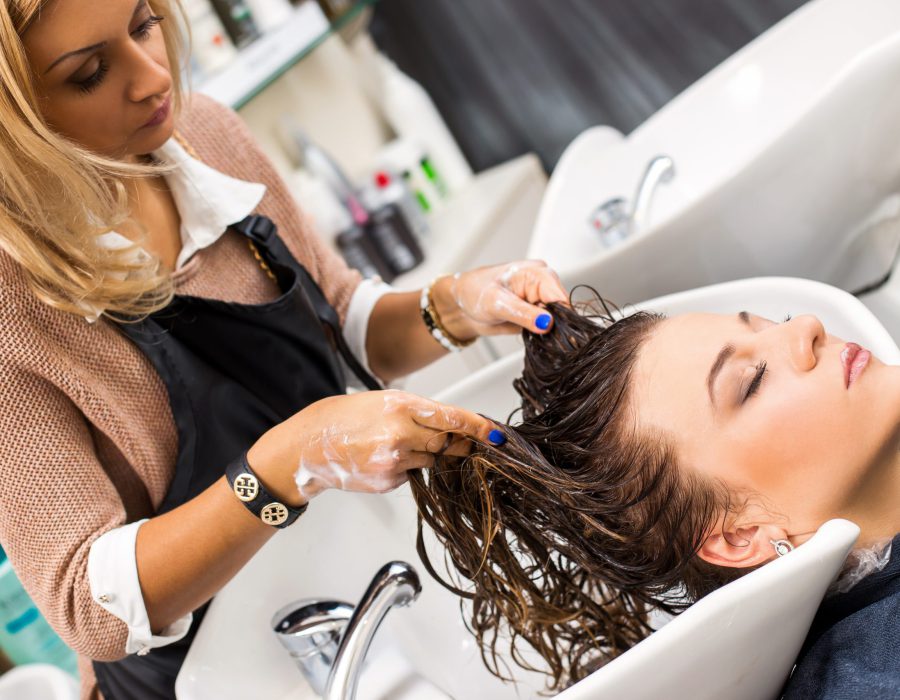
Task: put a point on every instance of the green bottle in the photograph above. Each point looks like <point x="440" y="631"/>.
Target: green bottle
<point x="25" y="636"/>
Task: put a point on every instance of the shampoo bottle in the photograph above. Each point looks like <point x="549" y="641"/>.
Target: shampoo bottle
<point x="238" y="21"/>
<point x="211" y="46"/>
<point x="412" y="114"/>
<point x="270" y="14"/>
<point x="391" y="189"/>
<point x="335" y="9"/>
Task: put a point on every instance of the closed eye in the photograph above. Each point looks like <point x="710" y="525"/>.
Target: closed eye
<point x="755" y="382"/>
<point x="143" y="32"/>
<point x="92" y="82"/>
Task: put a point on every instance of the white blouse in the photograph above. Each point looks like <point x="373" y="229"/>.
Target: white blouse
<point x="208" y="202"/>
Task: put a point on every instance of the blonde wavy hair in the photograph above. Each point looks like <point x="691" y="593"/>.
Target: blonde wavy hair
<point x="56" y="197"/>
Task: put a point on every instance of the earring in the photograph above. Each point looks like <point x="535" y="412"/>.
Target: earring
<point x="782" y="547"/>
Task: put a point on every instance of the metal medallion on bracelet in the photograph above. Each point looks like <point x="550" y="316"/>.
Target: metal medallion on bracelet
<point x="250" y="491"/>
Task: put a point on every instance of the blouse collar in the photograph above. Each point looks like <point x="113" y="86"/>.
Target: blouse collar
<point x="208" y="202"/>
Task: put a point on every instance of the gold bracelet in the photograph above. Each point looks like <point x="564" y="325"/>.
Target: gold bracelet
<point x="433" y="322"/>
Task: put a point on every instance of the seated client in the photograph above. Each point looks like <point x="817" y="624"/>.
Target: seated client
<point x="657" y="459"/>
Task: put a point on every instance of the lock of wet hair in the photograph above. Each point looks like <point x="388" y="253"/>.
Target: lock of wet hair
<point x="566" y="536"/>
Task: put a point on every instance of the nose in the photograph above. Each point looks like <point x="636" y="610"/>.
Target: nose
<point x="149" y="78"/>
<point x="805" y="335"/>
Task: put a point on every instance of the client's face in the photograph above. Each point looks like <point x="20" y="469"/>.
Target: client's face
<point x="767" y="408"/>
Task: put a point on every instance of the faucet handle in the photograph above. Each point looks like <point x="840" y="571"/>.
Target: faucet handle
<point x="611" y="221"/>
<point x="311" y="631"/>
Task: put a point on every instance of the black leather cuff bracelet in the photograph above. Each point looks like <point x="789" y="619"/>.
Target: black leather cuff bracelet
<point x="250" y="491"/>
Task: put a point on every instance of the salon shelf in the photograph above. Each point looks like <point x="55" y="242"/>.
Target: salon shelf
<point x="265" y="60"/>
<point x="487" y="222"/>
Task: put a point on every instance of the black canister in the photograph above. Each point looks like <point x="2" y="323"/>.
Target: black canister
<point x="360" y="252"/>
<point x="395" y="240"/>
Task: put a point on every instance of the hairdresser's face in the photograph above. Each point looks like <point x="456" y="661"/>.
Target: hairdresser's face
<point x="103" y="95"/>
<point x="777" y="418"/>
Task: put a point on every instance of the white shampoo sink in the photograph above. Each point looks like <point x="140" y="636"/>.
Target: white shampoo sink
<point x="787" y="161"/>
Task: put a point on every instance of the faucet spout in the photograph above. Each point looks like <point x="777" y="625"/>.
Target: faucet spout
<point x="660" y="170"/>
<point x="395" y="584"/>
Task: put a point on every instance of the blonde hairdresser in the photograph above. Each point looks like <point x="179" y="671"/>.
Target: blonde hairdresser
<point x="105" y="167"/>
<point x="58" y="196"/>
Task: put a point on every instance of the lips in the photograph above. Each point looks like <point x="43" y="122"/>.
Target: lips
<point x="854" y="360"/>
<point x="160" y="115"/>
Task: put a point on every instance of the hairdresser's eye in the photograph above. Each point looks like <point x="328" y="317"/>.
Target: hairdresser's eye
<point x="90" y="83"/>
<point x="753" y="387"/>
<point x="143" y="32"/>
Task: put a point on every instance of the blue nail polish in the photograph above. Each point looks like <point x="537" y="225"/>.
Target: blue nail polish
<point x="496" y="437"/>
<point x="543" y="321"/>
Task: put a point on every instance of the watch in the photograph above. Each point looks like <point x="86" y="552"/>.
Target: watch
<point x="251" y="492"/>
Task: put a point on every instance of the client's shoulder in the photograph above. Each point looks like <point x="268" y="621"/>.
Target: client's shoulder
<point x="853" y="648"/>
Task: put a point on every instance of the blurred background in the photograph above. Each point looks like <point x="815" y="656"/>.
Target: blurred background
<point x="513" y="76"/>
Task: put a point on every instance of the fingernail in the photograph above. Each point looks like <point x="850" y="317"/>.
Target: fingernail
<point x="543" y="322"/>
<point x="496" y="437"/>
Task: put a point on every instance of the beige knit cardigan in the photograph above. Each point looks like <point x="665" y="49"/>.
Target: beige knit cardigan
<point x="88" y="440"/>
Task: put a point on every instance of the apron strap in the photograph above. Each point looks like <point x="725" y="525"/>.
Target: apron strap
<point x="262" y="231"/>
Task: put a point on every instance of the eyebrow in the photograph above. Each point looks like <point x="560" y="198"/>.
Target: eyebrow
<point x="92" y="47"/>
<point x="721" y="359"/>
<point x="724" y="354"/>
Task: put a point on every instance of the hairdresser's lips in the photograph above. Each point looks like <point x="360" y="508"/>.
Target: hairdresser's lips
<point x="854" y="360"/>
<point x="160" y="115"/>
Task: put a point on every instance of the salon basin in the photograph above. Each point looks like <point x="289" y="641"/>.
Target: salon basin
<point x="740" y="641"/>
<point x="344" y="538"/>
<point x="786" y="159"/>
<point x="421" y="652"/>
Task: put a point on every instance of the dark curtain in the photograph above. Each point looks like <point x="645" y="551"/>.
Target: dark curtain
<point x="512" y="76"/>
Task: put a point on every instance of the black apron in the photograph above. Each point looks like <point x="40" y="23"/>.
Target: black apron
<point x="232" y="371"/>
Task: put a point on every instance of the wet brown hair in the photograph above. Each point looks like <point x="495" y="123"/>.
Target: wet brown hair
<point x="564" y="537"/>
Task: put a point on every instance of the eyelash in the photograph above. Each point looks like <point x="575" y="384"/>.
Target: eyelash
<point x="760" y="373"/>
<point x="91" y="83"/>
<point x="141" y="33"/>
<point x="757" y="380"/>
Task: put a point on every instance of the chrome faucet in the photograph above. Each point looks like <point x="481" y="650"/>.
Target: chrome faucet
<point x="329" y="639"/>
<point x="396" y="583"/>
<point x="613" y="220"/>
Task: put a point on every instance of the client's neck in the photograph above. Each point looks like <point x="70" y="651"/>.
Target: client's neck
<point x="878" y="505"/>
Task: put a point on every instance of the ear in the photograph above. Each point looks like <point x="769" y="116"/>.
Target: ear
<point x="741" y="547"/>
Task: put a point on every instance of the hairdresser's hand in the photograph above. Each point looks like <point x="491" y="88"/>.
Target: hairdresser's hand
<point x="362" y="442"/>
<point x="498" y="300"/>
